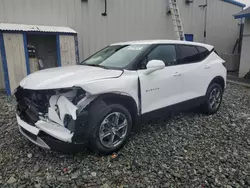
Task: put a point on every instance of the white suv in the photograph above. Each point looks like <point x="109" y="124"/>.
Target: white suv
<point x="101" y="101"/>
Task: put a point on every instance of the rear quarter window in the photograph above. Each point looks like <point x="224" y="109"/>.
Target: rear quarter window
<point x="203" y="52"/>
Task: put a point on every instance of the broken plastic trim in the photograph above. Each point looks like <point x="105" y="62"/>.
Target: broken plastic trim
<point x="59" y="107"/>
<point x="65" y="108"/>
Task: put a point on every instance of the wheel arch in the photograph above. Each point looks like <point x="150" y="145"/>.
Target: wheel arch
<point x="219" y="80"/>
<point x="128" y="102"/>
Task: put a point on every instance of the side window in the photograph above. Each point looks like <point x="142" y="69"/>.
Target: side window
<point x="203" y="52"/>
<point x="188" y="54"/>
<point x="166" y="53"/>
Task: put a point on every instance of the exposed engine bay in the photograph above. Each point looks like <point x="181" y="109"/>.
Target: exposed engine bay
<point x="59" y="112"/>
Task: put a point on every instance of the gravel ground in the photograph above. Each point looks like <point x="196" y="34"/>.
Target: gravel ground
<point x="188" y="150"/>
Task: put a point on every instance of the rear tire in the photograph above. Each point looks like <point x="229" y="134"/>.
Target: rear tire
<point x="213" y="99"/>
<point x="111" y="131"/>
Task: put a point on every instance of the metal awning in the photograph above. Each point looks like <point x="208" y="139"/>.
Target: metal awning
<point x="243" y="14"/>
<point x="234" y="2"/>
<point x="35" y="28"/>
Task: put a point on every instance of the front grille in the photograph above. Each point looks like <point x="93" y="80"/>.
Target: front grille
<point x="39" y="98"/>
<point x="31" y="102"/>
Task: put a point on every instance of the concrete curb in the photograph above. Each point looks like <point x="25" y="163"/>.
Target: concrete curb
<point x="239" y="83"/>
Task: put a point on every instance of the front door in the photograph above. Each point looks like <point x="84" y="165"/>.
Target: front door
<point x="164" y="87"/>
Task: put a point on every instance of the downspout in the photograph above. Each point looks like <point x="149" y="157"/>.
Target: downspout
<point x="205" y="23"/>
<point x="105" y="11"/>
<point x="204" y="7"/>
<point x="58" y="50"/>
<point x="241" y="35"/>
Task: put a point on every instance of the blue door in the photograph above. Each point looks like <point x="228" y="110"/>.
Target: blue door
<point x="189" y="37"/>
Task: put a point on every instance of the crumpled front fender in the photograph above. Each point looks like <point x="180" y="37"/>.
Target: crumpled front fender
<point x="97" y="110"/>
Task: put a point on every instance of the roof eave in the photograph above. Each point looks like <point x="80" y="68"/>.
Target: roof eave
<point x="11" y="27"/>
<point x="242" y="16"/>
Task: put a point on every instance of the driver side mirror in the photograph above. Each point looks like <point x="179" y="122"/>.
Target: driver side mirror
<point x="154" y="65"/>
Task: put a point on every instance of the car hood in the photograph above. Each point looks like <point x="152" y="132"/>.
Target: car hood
<point x="68" y="76"/>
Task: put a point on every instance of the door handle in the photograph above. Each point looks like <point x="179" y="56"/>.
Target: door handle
<point x="206" y="67"/>
<point x="177" y="74"/>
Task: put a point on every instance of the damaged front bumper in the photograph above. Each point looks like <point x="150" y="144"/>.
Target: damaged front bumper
<point x="59" y="122"/>
<point x="42" y="136"/>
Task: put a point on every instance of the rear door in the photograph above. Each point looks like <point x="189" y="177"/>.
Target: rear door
<point x="194" y="68"/>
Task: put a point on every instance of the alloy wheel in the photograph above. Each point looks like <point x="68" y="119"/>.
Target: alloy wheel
<point x="215" y="98"/>
<point x="113" y="129"/>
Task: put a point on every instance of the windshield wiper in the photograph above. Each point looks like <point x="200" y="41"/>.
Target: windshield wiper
<point x="96" y="65"/>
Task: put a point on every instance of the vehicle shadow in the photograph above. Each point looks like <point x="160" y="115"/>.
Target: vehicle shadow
<point x="157" y="123"/>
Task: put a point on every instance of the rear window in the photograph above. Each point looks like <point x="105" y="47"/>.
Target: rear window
<point x="188" y="54"/>
<point x="192" y="54"/>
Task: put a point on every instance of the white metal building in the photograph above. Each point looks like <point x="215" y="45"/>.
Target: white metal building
<point x="101" y="22"/>
<point x="244" y="70"/>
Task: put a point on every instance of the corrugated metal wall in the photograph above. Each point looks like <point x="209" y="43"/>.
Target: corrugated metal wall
<point x="43" y="12"/>
<point x="126" y="20"/>
<point x="193" y="18"/>
<point x="222" y="29"/>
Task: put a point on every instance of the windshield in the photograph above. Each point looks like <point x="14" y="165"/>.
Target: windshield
<point x="118" y="56"/>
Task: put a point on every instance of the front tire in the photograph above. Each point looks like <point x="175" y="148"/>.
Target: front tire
<point x="213" y="99"/>
<point x="111" y="131"/>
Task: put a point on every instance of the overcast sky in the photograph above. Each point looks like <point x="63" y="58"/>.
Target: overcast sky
<point x="247" y="2"/>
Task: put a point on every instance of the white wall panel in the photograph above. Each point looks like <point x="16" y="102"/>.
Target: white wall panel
<point x="68" y="51"/>
<point x="15" y="57"/>
<point x="245" y="60"/>
<point x="247" y="27"/>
